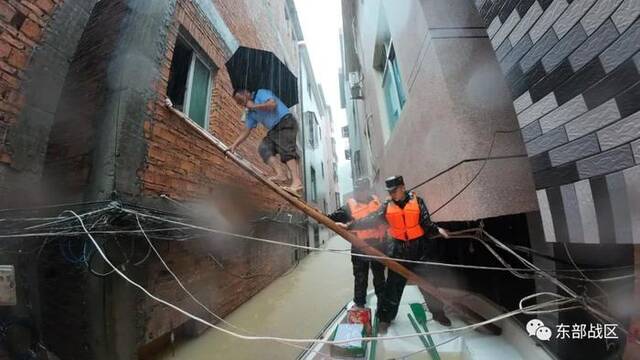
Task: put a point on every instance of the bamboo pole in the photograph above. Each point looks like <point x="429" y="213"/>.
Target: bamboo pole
<point x="324" y="220"/>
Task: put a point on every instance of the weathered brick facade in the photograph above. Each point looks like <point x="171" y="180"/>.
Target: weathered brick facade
<point x="21" y="28"/>
<point x="37" y="42"/>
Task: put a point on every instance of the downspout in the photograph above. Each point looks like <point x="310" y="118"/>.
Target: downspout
<point x="303" y="174"/>
<point x="301" y="46"/>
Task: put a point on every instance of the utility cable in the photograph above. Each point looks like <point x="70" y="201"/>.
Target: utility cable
<point x="310" y="248"/>
<point x="194" y="298"/>
<point x="484" y="160"/>
<point x="300" y="340"/>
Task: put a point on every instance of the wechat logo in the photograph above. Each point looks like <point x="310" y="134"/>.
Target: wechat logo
<point x="536" y="328"/>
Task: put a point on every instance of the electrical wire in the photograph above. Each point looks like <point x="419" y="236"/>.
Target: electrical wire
<point x="196" y="300"/>
<point x="485" y="160"/>
<point x="300" y="340"/>
<point x="55" y="206"/>
<point x="573" y="296"/>
<point x="110" y="207"/>
<point x="78" y="233"/>
<point x="310" y="248"/>
<point x="586" y="302"/>
<point x="566" y="249"/>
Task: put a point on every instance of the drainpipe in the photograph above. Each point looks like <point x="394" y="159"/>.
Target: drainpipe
<point x="301" y="48"/>
<point x="303" y="174"/>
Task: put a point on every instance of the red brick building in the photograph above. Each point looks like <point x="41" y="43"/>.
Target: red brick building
<point x="83" y="122"/>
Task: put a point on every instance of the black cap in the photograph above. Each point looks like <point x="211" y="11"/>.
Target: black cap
<point x="393" y="182"/>
<point x="362" y="184"/>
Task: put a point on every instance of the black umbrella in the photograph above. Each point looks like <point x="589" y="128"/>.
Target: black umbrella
<point x="254" y="69"/>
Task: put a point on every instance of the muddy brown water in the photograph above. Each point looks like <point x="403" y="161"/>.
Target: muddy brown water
<point x="297" y="305"/>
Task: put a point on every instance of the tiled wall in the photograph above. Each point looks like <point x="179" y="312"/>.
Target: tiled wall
<point x="573" y="67"/>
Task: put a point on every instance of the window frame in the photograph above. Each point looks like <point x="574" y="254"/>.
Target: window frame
<point x="313" y="129"/>
<point x="314" y="184"/>
<point x="196" y="54"/>
<point x="392" y="86"/>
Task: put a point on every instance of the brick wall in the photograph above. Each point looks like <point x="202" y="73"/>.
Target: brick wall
<point x="21" y="28"/>
<point x="573" y="68"/>
<point x="37" y="42"/>
<point x="181" y="163"/>
<point x="244" y="269"/>
<point x="77" y="128"/>
<point x="109" y="132"/>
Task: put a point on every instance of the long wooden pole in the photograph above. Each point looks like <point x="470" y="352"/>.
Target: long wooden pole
<point x="324" y="220"/>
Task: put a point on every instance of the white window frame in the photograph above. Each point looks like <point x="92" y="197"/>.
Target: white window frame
<point x="187" y="96"/>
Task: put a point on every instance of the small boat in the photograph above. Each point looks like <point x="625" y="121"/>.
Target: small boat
<point x="512" y="344"/>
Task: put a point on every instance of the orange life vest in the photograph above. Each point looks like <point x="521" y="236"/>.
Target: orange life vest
<point x="360" y="211"/>
<point x="404" y="224"/>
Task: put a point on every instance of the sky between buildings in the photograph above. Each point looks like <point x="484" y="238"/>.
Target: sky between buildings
<point x="321" y="21"/>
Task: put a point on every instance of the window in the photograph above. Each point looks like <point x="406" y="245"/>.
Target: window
<point x="314" y="129"/>
<point x="356" y="164"/>
<point x="394" y="94"/>
<point x="345" y="131"/>
<point x="347" y="154"/>
<point x="190" y="83"/>
<point x="343" y="96"/>
<point x="338" y="203"/>
<point x="314" y="188"/>
<point x="322" y="169"/>
<point x="324" y="206"/>
<point x="316" y="235"/>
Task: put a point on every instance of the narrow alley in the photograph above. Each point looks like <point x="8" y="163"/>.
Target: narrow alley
<point x="305" y="299"/>
<point x="305" y="179"/>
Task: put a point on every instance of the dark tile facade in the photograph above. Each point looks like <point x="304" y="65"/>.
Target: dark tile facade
<point x="573" y="68"/>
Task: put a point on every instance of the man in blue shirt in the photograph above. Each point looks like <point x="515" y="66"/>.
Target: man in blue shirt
<point x="264" y="107"/>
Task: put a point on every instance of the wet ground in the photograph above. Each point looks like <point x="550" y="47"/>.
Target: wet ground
<point x="298" y="304"/>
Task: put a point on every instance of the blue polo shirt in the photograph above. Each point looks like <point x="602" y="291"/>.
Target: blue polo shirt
<point x="268" y="119"/>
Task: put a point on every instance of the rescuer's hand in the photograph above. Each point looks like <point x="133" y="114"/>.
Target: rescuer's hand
<point x="444" y="233"/>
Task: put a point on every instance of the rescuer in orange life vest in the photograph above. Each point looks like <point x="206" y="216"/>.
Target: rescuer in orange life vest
<point x="360" y="206"/>
<point x="410" y="227"/>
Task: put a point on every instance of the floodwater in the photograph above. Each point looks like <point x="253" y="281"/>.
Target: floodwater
<point x="297" y="305"/>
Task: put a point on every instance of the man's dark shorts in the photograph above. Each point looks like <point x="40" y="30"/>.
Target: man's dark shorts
<point x="281" y="139"/>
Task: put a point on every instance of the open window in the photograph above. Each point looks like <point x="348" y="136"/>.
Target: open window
<point x="314" y="185"/>
<point x="386" y="63"/>
<point x="190" y="82"/>
<point x="394" y="93"/>
<point x="314" y="129"/>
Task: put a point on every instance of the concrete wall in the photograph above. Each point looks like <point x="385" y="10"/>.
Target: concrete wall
<point x="573" y="71"/>
<point x="315" y="150"/>
<point x="457" y="100"/>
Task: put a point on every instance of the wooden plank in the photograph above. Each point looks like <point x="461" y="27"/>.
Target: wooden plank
<point x="324" y="220"/>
